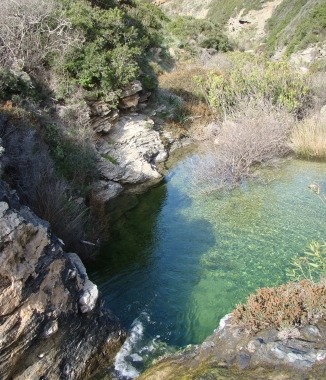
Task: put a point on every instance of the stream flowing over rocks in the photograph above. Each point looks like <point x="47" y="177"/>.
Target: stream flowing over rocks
<point x="52" y="322"/>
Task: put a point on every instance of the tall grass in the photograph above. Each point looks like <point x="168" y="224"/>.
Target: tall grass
<point x="308" y="138"/>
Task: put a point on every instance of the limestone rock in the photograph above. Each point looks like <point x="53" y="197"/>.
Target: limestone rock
<point x="89" y="297"/>
<point x="130" y="150"/>
<point x="232" y="353"/>
<point x="89" y="291"/>
<point x="132" y="89"/>
<point x="44" y="295"/>
<point x="129" y="101"/>
<point x="106" y="190"/>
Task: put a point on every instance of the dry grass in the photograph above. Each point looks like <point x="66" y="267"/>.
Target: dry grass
<point x="290" y="305"/>
<point x="192" y="111"/>
<point x="308" y="138"/>
<point x="28" y="167"/>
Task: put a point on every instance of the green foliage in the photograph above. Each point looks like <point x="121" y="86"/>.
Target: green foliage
<point x="221" y="11"/>
<point x="255" y="77"/>
<point x="74" y="161"/>
<point x="17" y="86"/>
<point x="205" y="33"/>
<point x="114" y="50"/>
<point x="311" y="266"/>
<point x="295" y="24"/>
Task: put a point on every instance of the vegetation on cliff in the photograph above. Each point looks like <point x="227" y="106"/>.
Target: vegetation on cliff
<point x="66" y="51"/>
<point x="296" y="24"/>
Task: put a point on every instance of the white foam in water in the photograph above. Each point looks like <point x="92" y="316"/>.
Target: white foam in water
<point x="121" y="365"/>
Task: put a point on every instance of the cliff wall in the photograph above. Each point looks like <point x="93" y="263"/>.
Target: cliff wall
<point x="52" y="321"/>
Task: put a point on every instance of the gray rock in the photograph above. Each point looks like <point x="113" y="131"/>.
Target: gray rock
<point x="135" y="147"/>
<point x="89" y="291"/>
<point x="50" y="328"/>
<point x="129" y="101"/>
<point x="311" y="333"/>
<point x="106" y="190"/>
<point x="35" y="287"/>
<point x="3" y="208"/>
<point x="87" y="301"/>
<point x="243" y="360"/>
<point x="131" y="89"/>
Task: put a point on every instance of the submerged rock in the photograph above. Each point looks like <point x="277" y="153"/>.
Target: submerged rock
<point x="50" y="311"/>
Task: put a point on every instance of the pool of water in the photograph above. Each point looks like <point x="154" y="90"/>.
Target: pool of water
<point x="181" y="260"/>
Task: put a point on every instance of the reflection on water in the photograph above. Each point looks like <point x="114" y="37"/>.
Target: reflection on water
<point x="185" y="259"/>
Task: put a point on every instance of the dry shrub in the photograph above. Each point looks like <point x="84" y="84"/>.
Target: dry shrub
<point x="193" y="110"/>
<point x="308" y="138"/>
<point x="293" y="304"/>
<point x="181" y="81"/>
<point x="255" y="134"/>
<point x="29" y="169"/>
<point x="31" y="31"/>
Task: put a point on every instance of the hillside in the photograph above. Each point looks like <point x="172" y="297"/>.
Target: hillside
<point x="285" y="26"/>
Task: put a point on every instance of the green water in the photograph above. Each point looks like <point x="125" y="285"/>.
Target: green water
<point x="181" y="260"/>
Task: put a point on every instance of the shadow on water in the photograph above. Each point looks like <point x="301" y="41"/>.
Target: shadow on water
<point x="151" y="264"/>
<point x="180" y="260"/>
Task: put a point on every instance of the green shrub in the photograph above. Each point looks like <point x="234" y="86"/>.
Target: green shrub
<point x="295" y="24"/>
<point x="205" y="33"/>
<point x="310" y="266"/>
<point x="116" y="41"/>
<point x="258" y="78"/>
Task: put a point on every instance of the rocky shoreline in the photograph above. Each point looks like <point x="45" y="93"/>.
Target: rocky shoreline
<point x="230" y="353"/>
<point x="53" y="323"/>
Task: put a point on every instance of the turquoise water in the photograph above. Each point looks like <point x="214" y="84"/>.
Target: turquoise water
<point x="181" y="260"/>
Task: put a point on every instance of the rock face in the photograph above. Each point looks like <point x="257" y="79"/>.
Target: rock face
<point x="52" y="324"/>
<point x="232" y="354"/>
<point x="130" y="151"/>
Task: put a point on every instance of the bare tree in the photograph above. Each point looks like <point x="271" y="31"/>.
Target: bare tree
<point x="30" y="30"/>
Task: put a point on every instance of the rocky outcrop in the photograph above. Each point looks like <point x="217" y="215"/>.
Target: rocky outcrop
<point x="231" y="353"/>
<point x="130" y="151"/>
<point x="52" y="322"/>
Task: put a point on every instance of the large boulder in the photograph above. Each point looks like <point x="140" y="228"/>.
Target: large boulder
<point x="130" y="151"/>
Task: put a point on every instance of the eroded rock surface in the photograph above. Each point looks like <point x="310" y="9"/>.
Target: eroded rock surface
<point x="232" y="354"/>
<point x="130" y="151"/>
<point x="52" y="324"/>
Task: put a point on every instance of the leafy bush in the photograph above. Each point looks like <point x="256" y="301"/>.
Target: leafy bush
<point x="257" y="78"/>
<point x="205" y="33"/>
<point x="293" y="304"/>
<point x="115" y="43"/>
<point x="310" y="266"/>
<point x="295" y="24"/>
